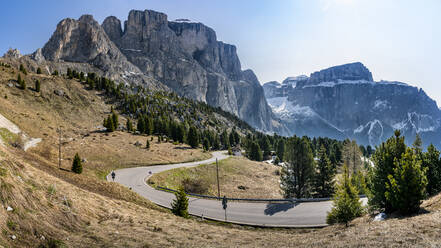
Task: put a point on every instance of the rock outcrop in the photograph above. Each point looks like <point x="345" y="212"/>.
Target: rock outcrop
<point x="344" y="102"/>
<point x="184" y="56"/>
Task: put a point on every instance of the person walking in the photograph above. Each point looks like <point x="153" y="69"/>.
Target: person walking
<point x="113" y="175"/>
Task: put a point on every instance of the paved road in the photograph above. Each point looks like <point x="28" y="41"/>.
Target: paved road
<point x="309" y="214"/>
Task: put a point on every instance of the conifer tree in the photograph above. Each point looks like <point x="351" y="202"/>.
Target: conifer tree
<point x="55" y="73"/>
<point x="147" y="145"/>
<point x="129" y="125"/>
<point x="432" y="162"/>
<point x="297" y="173"/>
<point x="37" y="85"/>
<point x="216" y="142"/>
<point x="255" y="152"/>
<point x="180" y="204"/>
<point x="22" y="69"/>
<point x="347" y="205"/>
<point x="77" y="167"/>
<point x="38" y="70"/>
<point x="115" y="121"/>
<point x="206" y="144"/>
<point x="324" y="176"/>
<point x="384" y="158"/>
<point x="407" y="184"/>
<point x="280" y="149"/>
<point x="265" y="146"/>
<point x="193" y="137"/>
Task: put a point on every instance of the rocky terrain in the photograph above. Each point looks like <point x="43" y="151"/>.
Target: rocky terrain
<point x="344" y="102"/>
<point x="180" y="55"/>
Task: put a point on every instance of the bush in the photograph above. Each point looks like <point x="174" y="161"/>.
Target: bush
<point x="77" y="167"/>
<point x="193" y="185"/>
<point x="180" y="204"/>
<point x="347" y="205"/>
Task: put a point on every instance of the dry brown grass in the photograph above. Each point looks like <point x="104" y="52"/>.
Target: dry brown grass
<point x="239" y="177"/>
<point x="79" y="113"/>
<point x="45" y="205"/>
<point x="82" y="211"/>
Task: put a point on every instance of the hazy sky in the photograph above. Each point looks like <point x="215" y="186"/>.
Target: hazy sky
<point x="397" y="40"/>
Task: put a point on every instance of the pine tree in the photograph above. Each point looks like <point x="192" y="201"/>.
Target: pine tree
<point x="140" y="126"/>
<point x="180" y="204"/>
<point x="347" y="205"/>
<point x="147" y="145"/>
<point x="266" y="148"/>
<point x="38" y="70"/>
<point x="255" y="152"/>
<point x="324" y="176"/>
<point x="225" y="140"/>
<point x="21" y="82"/>
<point x="206" y="144"/>
<point x="77" y="167"/>
<point x="432" y="162"/>
<point x="280" y="149"/>
<point x="297" y="172"/>
<point x="384" y="158"/>
<point x="352" y="156"/>
<point x="216" y="142"/>
<point x="37" y="85"/>
<point x="193" y="137"/>
<point x="22" y="69"/>
<point x="407" y="184"/>
<point x="129" y="125"/>
<point x="55" y="73"/>
<point x="115" y="121"/>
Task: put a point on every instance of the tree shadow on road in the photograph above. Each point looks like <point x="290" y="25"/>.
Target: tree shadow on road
<point x="273" y="208"/>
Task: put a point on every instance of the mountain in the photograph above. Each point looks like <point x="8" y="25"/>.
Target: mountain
<point x="180" y="55"/>
<point x="344" y="102"/>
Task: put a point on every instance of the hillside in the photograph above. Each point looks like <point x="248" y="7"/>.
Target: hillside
<point x="86" y="211"/>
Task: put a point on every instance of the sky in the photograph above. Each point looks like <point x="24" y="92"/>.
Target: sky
<point x="398" y="40"/>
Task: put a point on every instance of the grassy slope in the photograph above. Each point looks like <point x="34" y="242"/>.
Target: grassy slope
<point x="260" y="179"/>
<point x="83" y="211"/>
<point x="79" y="113"/>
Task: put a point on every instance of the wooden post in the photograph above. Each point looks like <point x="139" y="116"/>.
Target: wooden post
<point x="217" y="175"/>
<point x="59" y="148"/>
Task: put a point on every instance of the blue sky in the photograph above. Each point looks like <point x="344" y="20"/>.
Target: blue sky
<point x="397" y="40"/>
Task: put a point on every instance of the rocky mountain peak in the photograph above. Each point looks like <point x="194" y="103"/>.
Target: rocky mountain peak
<point x="352" y="71"/>
<point x="112" y="26"/>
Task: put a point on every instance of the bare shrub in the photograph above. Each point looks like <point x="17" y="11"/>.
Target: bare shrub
<point x="195" y="185"/>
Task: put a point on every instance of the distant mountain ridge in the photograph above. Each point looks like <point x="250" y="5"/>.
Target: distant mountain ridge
<point x="180" y="55"/>
<point x="344" y="102"/>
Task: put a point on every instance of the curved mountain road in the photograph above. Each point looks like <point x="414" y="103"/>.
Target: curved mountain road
<point x="308" y="214"/>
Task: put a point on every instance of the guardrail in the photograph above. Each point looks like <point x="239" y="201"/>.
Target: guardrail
<point x="252" y="199"/>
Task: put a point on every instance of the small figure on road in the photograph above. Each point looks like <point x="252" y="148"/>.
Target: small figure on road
<point x="113" y="175"/>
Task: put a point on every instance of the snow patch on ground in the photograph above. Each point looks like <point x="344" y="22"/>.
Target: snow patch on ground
<point x="11" y="127"/>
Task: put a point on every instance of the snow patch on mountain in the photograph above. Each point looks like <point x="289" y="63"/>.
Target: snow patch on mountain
<point x="357" y="82"/>
<point x="284" y="108"/>
<point x="381" y="104"/>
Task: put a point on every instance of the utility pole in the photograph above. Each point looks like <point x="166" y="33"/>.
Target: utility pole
<point x="217" y="175"/>
<point x="59" y="148"/>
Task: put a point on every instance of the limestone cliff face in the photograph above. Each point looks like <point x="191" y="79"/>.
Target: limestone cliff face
<point x="85" y="41"/>
<point x="182" y="55"/>
<point x="344" y="102"/>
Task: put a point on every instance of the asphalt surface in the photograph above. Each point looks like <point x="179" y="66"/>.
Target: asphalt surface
<point x="308" y="214"/>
